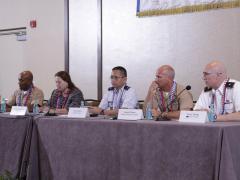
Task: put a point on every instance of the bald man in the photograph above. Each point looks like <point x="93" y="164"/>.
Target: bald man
<point x="220" y="92"/>
<point x="166" y="96"/>
<point x="27" y="93"/>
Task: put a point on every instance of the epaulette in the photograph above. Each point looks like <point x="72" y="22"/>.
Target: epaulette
<point x="111" y="89"/>
<point x="126" y="87"/>
<point x="230" y="84"/>
<point x="206" y="89"/>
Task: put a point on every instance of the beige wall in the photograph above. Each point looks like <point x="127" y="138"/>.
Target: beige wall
<point x="42" y="53"/>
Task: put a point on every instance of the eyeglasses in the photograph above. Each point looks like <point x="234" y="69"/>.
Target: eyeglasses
<point x="116" y="77"/>
<point x="209" y="73"/>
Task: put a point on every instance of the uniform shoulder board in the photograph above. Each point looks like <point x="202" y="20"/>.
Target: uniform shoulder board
<point x="126" y="87"/>
<point x="230" y="84"/>
<point x="111" y="89"/>
<point x="206" y="89"/>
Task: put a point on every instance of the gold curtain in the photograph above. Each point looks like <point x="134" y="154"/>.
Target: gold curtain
<point x="187" y="9"/>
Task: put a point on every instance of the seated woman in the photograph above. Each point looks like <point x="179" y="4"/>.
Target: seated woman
<point x="66" y="95"/>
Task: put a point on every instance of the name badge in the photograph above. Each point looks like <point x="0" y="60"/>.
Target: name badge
<point x="130" y="114"/>
<point x="78" y="112"/>
<point x="193" y="116"/>
<point x="19" y="111"/>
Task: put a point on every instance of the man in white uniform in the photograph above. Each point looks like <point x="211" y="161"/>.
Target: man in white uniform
<point x="221" y="93"/>
<point x="118" y="96"/>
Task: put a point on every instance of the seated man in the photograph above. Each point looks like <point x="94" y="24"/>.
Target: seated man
<point x="27" y="94"/>
<point x="222" y="93"/>
<point x="167" y="97"/>
<point x="65" y="95"/>
<point x="118" y="96"/>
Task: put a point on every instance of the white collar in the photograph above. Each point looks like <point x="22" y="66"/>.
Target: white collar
<point x="220" y="89"/>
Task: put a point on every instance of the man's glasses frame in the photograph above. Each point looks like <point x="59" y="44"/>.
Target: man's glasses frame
<point x="116" y="77"/>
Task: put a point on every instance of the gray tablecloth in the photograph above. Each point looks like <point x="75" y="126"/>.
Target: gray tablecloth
<point x="230" y="154"/>
<point x="66" y="149"/>
<point x="14" y="144"/>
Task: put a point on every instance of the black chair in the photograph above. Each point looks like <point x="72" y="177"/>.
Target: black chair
<point x="140" y="104"/>
<point x="91" y="102"/>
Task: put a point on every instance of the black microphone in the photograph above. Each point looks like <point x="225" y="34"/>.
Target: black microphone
<point x="188" y="87"/>
<point x="51" y="112"/>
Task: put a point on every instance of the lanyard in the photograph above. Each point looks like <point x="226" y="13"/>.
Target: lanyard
<point x="214" y="99"/>
<point x="61" y="100"/>
<point x="21" y="101"/>
<point x="115" y="97"/>
<point x="163" y="106"/>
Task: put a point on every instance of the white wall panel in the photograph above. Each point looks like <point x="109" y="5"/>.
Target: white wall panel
<point x="83" y="45"/>
<point x="185" y="41"/>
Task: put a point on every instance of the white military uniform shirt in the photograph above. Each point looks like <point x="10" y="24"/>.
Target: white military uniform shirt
<point x="231" y="101"/>
<point x="122" y="98"/>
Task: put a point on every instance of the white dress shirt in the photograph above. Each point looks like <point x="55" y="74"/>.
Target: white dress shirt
<point x="231" y="102"/>
<point x="118" y="99"/>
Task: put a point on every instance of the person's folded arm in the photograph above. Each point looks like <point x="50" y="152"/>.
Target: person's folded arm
<point x="229" y="117"/>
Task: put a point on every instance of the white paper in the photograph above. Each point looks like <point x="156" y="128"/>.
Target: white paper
<point x="81" y="112"/>
<point x="193" y="116"/>
<point x="130" y="114"/>
<point x="19" y="111"/>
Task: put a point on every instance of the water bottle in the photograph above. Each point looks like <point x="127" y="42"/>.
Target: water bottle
<point x="211" y="114"/>
<point x="149" y="112"/>
<point x="3" y="105"/>
<point x="35" y="107"/>
<point x="82" y="104"/>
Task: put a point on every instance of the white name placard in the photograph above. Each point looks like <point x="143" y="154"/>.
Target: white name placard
<point x="193" y="116"/>
<point x="19" y="110"/>
<point x="130" y="114"/>
<point x="78" y="112"/>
